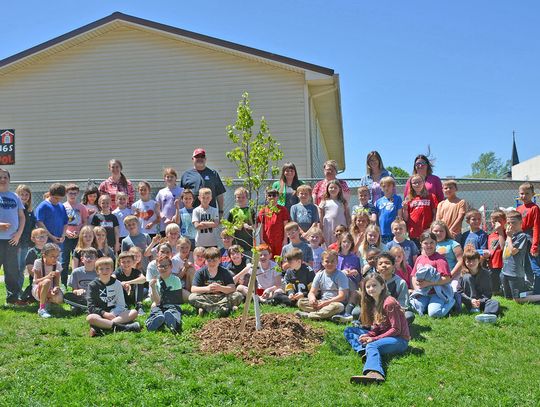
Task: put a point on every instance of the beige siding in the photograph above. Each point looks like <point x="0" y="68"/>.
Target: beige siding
<point x="145" y="99"/>
<point x="318" y="150"/>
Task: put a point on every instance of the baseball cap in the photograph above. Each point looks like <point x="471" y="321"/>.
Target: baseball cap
<point x="199" y="151"/>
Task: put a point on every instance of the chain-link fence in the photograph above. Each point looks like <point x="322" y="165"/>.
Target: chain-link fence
<point x="490" y="193"/>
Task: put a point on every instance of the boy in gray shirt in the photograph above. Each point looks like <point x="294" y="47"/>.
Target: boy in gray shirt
<point x="331" y="285"/>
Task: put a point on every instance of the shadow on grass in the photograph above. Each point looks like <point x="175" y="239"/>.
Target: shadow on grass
<point x="56" y="310"/>
<point x="417" y="330"/>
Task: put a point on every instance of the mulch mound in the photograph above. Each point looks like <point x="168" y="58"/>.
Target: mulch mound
<point x="281" y="335"/>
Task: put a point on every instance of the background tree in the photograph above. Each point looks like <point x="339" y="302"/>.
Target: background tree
<point x="489" y="166"/>
<point x="398" y="172"/>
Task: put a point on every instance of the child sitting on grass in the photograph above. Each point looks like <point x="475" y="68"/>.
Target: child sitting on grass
<point x="213" y="288"/>
<point x="396" y="286"/>
<point x="333" y="287"/>
<point x="106" y="306"/>
<point x="39" y="238"/>
<point x="166" y="299"/>
<point x="298" y="280"/>
<point x="46" y="284"/>
<point x="474" y="285"/>
<point x="81" y="278"/>
<point x="389" y="333"/>
<point x="132" y="281"/>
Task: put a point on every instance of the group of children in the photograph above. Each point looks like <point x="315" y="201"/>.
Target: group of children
<point x="377" y="263"/>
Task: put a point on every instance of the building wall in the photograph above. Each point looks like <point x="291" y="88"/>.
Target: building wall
<point x="527" y="170"/>
<point x="318" y="150"/>
<point x="145" y="99"/>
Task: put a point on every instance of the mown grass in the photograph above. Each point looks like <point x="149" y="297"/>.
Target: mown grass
<point x="453" y="361"/>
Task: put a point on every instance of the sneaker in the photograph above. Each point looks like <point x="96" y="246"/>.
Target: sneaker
<point x="95" y="331"/>
<point x="486" y="318"/>
<point x="369" y="378"/>
<point x="171" y="323"/>
<point x="475" y="310"/>
<point x="133" y="327"/>
<point x="342" y="318"/>
<point x="155" y="323"/>
<point x="223" y="312"/>
<point x="42" y="312"/>
<point x="301" y="314"/>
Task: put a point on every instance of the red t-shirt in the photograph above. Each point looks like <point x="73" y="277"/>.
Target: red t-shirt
<point x="495" y="251"/>
<point x="274" y="227"/>
<point x="531" y="222"/>
<point x="438" y="261"/>
<point x="420" y="212"/>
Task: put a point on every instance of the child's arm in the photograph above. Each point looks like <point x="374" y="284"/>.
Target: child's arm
<point x="139" y="280"/>
<point x="155" y="241"/>
<point x="458" y="252"/>
<point x="405" y="211"/>
<point x="320" y="209"/>
<point x="176" y="218"/>
<point x="154" y="296"/>
<point x="116" y="239"/>
<point x="157" y="217"/>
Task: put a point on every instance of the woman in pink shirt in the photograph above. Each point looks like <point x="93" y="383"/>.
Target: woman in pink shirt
<point x="424" y="167"/>
<point x="117" y="182"/>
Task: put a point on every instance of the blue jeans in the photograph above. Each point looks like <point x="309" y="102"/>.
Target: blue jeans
<point x="21" y="258"/>
<point x="535" y="266"/>
<point x="436" y="307"/>
<point x="376" y="349"/>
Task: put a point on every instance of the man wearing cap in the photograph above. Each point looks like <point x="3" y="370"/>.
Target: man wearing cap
<point x="200" y="176"/>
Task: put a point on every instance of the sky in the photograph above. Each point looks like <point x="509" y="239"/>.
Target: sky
<point x="451" y="77"/>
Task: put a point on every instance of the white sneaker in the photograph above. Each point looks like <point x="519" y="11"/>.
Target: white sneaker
<point x="342" y="318"/>
<point x="42" y="312"/>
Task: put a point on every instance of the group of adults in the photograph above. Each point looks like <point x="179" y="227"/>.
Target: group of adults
<point x="202" y="176"/>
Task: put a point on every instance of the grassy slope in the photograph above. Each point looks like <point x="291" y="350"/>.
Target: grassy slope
<point x="452" y="362"/>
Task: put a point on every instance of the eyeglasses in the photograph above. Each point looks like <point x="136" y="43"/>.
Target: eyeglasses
<point x="420" y="164"/>
<point x="89" y="256"/>
<point x="41" y="237"/>
<point x="163" y="266"/>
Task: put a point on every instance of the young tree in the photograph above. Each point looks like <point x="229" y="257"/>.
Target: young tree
<point x="256" y="157"/>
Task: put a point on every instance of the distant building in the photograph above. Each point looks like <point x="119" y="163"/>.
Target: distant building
<point x="149" y="94"/>
<point x="527" y="170"/>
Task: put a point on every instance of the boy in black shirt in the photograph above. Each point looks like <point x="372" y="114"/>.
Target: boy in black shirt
<point x="298" y="279"/>
<point x="106" y="304"/>
<point x="213" y="288"/>
<point x="132" y="281"/>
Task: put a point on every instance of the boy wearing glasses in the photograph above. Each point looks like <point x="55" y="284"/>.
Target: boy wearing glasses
<point x="273" y="218"/>
<point x="80" y="278"/>
<point x="166" y="295"/>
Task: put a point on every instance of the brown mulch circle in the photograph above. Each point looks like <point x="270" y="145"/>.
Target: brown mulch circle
<point x="281" y="335"/>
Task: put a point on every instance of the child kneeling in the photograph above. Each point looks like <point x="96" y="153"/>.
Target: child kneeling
<point x="106" y="305"/>
<point x="389" y="333"/>
<point x="166" y="295"/>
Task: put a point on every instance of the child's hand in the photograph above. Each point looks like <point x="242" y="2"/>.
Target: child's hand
<point x="365" y="338"/>
<point x="55" y="290"/>
<point x="5" y="225"/>
<point x="177" y="203"/>
<point x="80" y="291"/>
<point x="126" y="286"/>
<point x="424" y="283"/>
<point x="498" y="227"/>
<point x="51" y="275"/>
<point x="214" y="288"/>
<point x="509" y="231"/>
<point x="153" y="282"/>
<point x="313" y="302"/>
<point x="475" y="303"/>
<point x="297" y="296"/>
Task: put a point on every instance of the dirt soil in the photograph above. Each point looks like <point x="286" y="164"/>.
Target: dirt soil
<point x="281" y="335"/>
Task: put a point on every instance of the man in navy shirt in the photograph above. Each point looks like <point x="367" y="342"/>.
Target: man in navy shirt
<point x="200" y="176"/>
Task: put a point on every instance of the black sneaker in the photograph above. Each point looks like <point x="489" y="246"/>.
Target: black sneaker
<point x="133" y="327"/>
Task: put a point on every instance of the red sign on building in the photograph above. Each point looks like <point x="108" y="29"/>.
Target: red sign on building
<point x="7" y="147"/>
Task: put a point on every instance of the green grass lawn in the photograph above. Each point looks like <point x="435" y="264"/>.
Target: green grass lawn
<point x="453" y="362"/>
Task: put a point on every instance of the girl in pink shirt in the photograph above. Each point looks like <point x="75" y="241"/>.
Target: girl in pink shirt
<point x="389" y="333"/>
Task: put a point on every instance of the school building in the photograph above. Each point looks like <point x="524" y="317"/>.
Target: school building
<point x="149" y="94"/>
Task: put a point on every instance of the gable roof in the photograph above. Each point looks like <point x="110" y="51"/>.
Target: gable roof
<point x="121" y="17"/>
